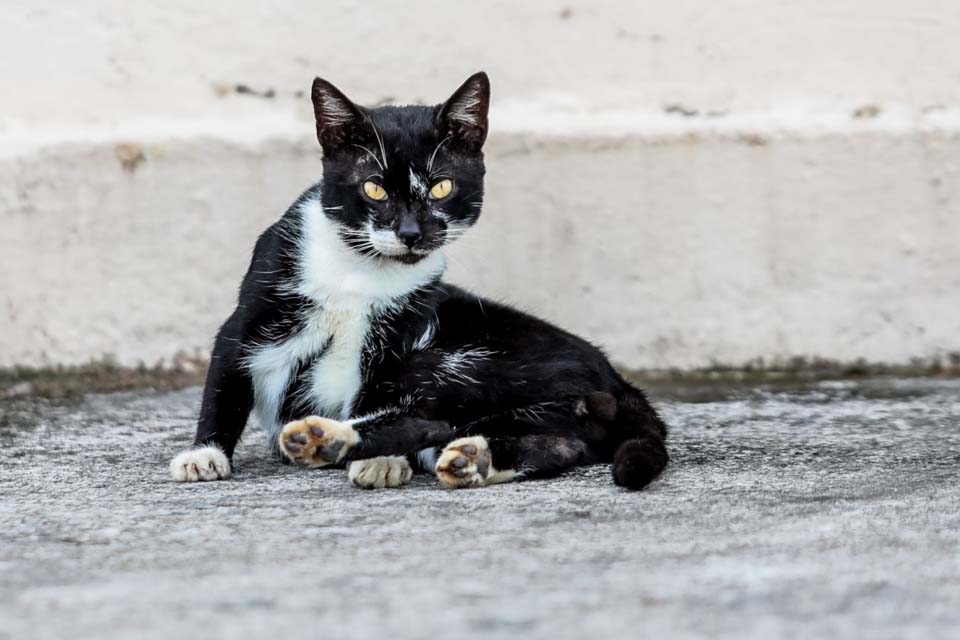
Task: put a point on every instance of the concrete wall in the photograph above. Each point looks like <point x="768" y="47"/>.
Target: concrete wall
<point x="687" y="184"/>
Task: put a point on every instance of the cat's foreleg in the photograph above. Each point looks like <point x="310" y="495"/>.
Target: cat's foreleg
<point x="227" y="402"/>
<point x="321" y="442"/>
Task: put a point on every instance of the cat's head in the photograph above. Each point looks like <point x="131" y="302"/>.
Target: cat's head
<point x="401" y="182"/>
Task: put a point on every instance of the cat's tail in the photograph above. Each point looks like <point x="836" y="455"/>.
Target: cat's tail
<point x="636" y="431"/>
<point x="639" y="461"/>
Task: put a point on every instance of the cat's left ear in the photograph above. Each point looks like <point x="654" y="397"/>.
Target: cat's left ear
<point x="336" y="115"/>
<point x="464" y="115"/>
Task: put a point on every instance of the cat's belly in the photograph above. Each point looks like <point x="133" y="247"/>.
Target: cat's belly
<point x="328" y="350"/>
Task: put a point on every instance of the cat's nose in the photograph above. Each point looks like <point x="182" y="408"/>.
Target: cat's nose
<point x="409" y="237"/>
<point x="409" y="231"/>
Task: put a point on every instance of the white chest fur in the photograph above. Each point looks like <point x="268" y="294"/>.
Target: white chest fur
<point x="347" y="291"/>
<point x="331" y="338"/>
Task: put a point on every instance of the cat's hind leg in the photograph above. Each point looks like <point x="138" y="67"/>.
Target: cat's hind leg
<point x="478" y="461"/>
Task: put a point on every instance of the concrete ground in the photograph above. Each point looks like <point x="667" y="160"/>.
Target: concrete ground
<point x="830" y="509"/>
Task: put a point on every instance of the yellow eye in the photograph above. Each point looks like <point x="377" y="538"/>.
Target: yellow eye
<point x="374" y="191"/>
<point x="442" y="189"/>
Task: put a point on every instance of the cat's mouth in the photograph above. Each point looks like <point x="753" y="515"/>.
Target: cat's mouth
<point x="411" y="257"/>
<point x="405" y="255"/>
<point x="386" y="245"/>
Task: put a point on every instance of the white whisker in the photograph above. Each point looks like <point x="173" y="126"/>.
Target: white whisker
<point x="372" y="155"/>
<point x="434" y="154"/>
<point x="383" y="152"/>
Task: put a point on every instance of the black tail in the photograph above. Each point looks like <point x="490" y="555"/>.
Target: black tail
<point x="637" y="462"/>
<point x="638" y="433"/>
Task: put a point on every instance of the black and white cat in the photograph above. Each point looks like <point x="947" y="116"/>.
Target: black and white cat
<point x="351" y="349"/>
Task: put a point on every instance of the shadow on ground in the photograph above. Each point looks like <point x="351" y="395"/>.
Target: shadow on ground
<point x="829" y="510"/>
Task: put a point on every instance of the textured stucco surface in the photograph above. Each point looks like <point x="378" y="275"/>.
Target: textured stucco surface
<point x="687" y="185"/>
<point x="668" y="251"/>
<point x="828" y="510"/>
<point x="117" y="60"/>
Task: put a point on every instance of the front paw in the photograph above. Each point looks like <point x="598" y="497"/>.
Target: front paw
<point x="200" y="464"/>
<point x="377" y="473"/>
<point x="317" y="442"/>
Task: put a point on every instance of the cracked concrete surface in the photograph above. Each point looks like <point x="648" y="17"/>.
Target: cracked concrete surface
<point x="824" y="510"/>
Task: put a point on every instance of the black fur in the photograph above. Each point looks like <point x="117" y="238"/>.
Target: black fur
<point x="545" y="399"/>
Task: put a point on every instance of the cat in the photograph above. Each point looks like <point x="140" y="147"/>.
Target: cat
<point x="352" y="350"/>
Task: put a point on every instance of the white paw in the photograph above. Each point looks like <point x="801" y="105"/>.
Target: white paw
<point x="203" y="463"/>
<point x="466" y="462"/>
<point x="377" y="473"/>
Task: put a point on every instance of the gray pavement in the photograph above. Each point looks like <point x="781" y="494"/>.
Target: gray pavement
<point x="824" y="510"/>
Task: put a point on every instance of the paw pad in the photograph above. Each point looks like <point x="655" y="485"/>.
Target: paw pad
<point x="317" y="442"/>
<point x="464" y="463"/>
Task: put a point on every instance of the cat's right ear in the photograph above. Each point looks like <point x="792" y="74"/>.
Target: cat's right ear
<point x="335" y="113"/>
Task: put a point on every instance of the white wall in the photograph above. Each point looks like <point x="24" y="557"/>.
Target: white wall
<point x="808" y="208"/>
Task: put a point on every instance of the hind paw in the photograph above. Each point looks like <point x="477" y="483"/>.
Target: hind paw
<point x="467" y="462"/>
<point x="317" y="442"/>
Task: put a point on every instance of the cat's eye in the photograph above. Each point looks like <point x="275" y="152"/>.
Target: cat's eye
<point x="374" y="191"/>
<point x="441" y="189"/>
